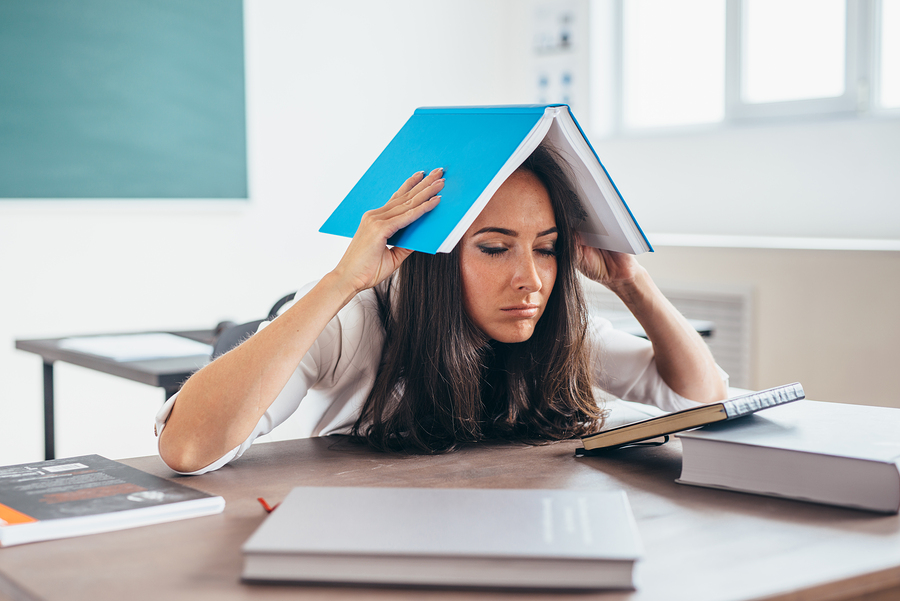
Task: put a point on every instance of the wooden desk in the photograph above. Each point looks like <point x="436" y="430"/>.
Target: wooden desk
<point x="700" y="544"/>
<point x="168" y="374"/>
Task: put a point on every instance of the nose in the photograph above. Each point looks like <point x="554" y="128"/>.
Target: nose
<point x="526" y="277"/>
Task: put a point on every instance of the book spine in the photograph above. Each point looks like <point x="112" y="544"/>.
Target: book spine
<point x="753" y="402"/>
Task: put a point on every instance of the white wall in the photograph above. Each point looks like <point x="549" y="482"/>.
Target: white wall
<point x="825" y="178"/>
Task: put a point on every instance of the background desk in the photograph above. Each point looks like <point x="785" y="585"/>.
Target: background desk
<point x="701" y="544"/>
<point x="168" y="374"/>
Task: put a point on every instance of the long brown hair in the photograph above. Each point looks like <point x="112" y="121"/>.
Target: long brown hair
<point x="442" y="382"/>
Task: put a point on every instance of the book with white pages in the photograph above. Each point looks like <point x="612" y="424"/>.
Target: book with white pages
<point x="485" y="538"/>
<point x="831" y="453"/>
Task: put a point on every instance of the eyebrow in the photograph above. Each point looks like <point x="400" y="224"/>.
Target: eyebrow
<point x="513" y="233"/>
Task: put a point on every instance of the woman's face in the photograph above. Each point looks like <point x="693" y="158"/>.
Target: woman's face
<point x="508" y="260"/>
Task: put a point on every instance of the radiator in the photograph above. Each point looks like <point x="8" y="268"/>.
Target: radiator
<point x="728" y="308"/>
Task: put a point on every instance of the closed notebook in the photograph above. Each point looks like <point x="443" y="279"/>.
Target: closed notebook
<point x="87" y="495"/>
<point x="831" y="453"/>
<point x="478" y="148"/>
<point x="550" y="539"/>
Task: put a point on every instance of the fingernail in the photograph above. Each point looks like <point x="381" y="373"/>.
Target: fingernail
<point x="436" y="170"/>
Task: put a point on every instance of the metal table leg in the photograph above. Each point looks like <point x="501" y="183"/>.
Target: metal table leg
<point x="49" y="434"/>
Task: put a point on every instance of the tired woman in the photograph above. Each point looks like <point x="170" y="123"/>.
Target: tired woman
<point x="417" y="352"/>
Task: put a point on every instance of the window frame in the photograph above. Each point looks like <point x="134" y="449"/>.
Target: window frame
<point x="862" y="74"/>
<point x="854" y="98"/>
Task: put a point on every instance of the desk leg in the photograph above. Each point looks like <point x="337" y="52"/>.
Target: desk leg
<point x="49" y="434"/>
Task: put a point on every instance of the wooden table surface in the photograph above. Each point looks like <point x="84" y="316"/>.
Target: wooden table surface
<point x="700" y="544"/>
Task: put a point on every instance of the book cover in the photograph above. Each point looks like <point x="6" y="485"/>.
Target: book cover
<point x="89" y="494"/>
<point x="479" y="147"/>
<point x="694" y="417"/>
<point x="832" y="453"/>
<point x="555" y="539"/>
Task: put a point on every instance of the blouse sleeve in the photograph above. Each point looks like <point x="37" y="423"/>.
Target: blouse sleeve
<point x="340" y="362"/>
<point x="625" y="367"/>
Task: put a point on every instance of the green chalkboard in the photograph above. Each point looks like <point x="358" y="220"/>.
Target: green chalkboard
<point x="122" y="99"/>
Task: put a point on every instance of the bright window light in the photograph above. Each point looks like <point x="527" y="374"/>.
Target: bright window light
<point x="890" y="53"/>
<point x="673" y="62"/>
<point x="793" y="49"/>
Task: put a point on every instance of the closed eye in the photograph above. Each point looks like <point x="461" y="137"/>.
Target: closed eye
<point x="492" y="250"/>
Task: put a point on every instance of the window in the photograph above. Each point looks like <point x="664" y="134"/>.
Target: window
<point x="673" y="62"/>
<point x="889" y="55"/>
<point x="792" y="57"/>
<point x="777" y="64"/>
<point x="657" y="63"/>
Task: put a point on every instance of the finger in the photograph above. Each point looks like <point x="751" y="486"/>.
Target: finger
<point x="401" y="220"/>
<point x="403" y="195"/>
<point x="409" y="184"/>
<point x="400" y="206"/>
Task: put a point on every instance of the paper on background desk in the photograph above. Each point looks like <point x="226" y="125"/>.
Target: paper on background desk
<point x="136" y="347"/>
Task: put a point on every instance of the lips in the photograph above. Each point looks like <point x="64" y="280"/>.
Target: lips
<point x="524" y="311"/>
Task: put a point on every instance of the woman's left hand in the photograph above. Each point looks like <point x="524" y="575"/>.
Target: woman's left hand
<point x="612" y="269"/>
<point x="682" y="357"/>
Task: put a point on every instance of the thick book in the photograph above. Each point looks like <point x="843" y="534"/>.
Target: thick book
<point x="830" y="453"/>
<point x="479" y="148"/>
<point x="61" y="498"/>
<point x="694" y="417"/>
<point x="483" y="538"/>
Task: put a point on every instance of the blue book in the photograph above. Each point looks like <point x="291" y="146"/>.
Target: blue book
<point x="479" y="147"/>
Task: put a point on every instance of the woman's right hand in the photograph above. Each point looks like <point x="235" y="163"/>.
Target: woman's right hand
<point x="368" y="260"/>
<point x="221" y="404"/>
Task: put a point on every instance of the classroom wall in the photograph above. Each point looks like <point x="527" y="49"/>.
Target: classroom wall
<point x="328" y="84"/>
<point x="828" y="319"/>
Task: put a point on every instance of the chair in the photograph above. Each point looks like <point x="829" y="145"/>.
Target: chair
<point x="233" y="334"/>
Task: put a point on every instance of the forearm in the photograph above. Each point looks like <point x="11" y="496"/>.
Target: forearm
<point x="682" y="357"/>
<point x="220" y="405"/>
<point x="218" y="408"/>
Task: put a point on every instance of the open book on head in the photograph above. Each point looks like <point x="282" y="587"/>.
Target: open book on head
<point x="694" y="417"/>
<point x="479" y="148"/>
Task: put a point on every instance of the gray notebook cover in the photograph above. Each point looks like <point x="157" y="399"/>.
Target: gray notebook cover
<point x="831" y="453"/>
<point x="577" y="529"/>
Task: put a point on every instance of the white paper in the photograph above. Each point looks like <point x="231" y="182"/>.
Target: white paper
<point x="137" y="347"/>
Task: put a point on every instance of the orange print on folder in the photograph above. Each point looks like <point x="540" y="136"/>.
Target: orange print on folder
<point x="10" y="516"/>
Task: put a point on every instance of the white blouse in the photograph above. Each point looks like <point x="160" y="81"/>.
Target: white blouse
<point x="335" y="377"/>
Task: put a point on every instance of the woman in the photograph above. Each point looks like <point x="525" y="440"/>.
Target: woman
<point x="489" y="341"/>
